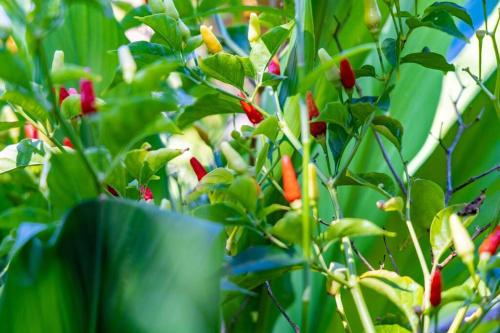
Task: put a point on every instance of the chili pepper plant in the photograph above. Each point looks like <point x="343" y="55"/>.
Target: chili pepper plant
<point x="249" y="166"/>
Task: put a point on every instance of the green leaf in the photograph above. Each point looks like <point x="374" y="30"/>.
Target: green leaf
<point x="143" y="164"/>
<point x="378" y="181"/>
<point x="68" y="181"/>
<point x="7" y="125"/>
<point x="72" y="73"/>
<point x="390" y="50"/>
<point x="365" y="71"/>
<point x="71" y="106"/>
<point x="269" y="127"/>
<point x="430" y="60"/>
<point x="146" y="53"/>
<point x="246" y="191"/>
<point x="390" y="128"/>
<point x="439" y="20"/>
<point x="261" y="258"/>
<point x="208" y="105"/>
<point x="465" y="292"/>
<point x="336" y="113"/>
<point x="227" y="68"/>
<point x="13" y="217"/>
<point x="289" y="228"/>
<point x="390" y="329"/>
<point x="223" y="213"/>
<point x="72" y="280"/>
<point x="218" y="176"/>
<point x="271" y="80"/>
<point x="338" y="139"/>
<point x="28" y="103"/>
<point x="450" y="8"/>
<point x="440" y="236"/>
<point x="402" y="291"/>
<point x="166" y="27"/>
<point x="261" y="159"/>
<point x="20" y="155"/>
<point x="130" y="21"/>
<point x="13" y="70"/>
<point x="362" y="110"/>
<point x="352" y="227"/>
<point x="153" y="75"/>
<point x="427" y="199"/>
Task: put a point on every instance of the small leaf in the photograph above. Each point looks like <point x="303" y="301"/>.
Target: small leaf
<point x="261" y="258"/>
<point x="365" y="70"/>
<point x="427" y="199"/>
<point x="166" y="27"/>
<point x="146" y="53"/>
<point x="246" y="191"/>
<point x="439" y="20"/>
<point x="353" y="227"/>
<point x="440" y="235"/>
<point x="452" y="9"/>
<point x="271" y="80"/>
<point x="261" y="159"/>
<point x="289" y="228"/>
<point x="20" y="155"/>
<point x="336" y="113"/>
<point x="269" y="127"/>
<point x="390" y="128"/>
<point x="378" y="181"/>
<point x="390" y="50"/>
<point x="227" y="68"/>
<point x="223" y="213"/>
<point x="208" y="105"/>
<point x="430" y="60"/>
<point x="402" y="291"/>
<point x="362" y="110"/>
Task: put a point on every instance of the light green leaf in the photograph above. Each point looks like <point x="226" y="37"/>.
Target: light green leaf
<point x="402" y="291"/>
<point x="336" y="113"/>
<point x="143" y="164"/>
<point x="208" y="105"/>
<point x="289" y="228"/>
<point x="246" y="191"/>
<point x="269" y="127"/>
<point x="20" y="155"/>
<point x="7" y="125"/>
<point x="28" y="103"/>
<point x="227" y="68"/>
<point x="72" y="73"/>
<point x="427" y="199"/>
<point x="166" y="27"/>
<point x="352" y="227"/>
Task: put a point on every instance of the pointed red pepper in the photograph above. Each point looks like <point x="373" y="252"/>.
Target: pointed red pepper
<point x="436" y="287"/>
<point x="67" y="143"/>
<point x="317" y="128"/>
<point x="30" y="131"/>
<point x="198" y="168"/>
<point x="112" y="191"/>
<point x="252" y="113"/>
<point x="146" y="193"/>
<point x="347" y="75"/>
<point x="274" y="66"/>
<point x="490" y="244"/>
<point x="87" y="97"/>
<point x="63" y="93"/>
<point x="290" y="184"/>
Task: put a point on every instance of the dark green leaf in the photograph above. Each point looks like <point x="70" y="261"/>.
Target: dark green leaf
<point x="336" y="113"/>
<point x="365" y="70"/>
<point x="430" y="60"/>
<point x="262" y="258"/>
<point x="439" y="20"/>
<point x="223" y="213"/>
<point x="208" y="105"/>
<point x="380" y="182"/>
<point x="390" y="128"/>
<point x="390" y="50"/>
<point x="130" y="21"/>
<point x="13" y="70"/>
<point x="452" y="9"/>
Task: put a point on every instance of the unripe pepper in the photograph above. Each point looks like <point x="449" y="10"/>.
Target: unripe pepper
<point x="332" y="74"/>
<point x="313" y="183"/>
<point x="372" y="16"/>
<point x="253" y="28"/>
<point x="67" y="143"/>
<point x="63" y="93"/>
<point x="87" y="97"/>
<point x="58" y="60"/>
<point x="31" y="132"/>
<point x="394" y="204"/>
<point x="234" y="159"/>
<point x="436" y="288"/>
<point x="490" y="244"/>
<point x="211" y="42"/>
<point x="198" y="168"/>
<point x="252" y="113"/>
<point x="290" y="184"/>
<point x="274" y="66"/>
<point x="317" y="128"/>
<point x="464" y="246"/>
<point x="347" y="75"/>
<point x="127" y="63"/>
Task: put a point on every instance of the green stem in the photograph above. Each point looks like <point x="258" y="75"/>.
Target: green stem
<point x="459" y="318"/>
<point x="341" y="312"/>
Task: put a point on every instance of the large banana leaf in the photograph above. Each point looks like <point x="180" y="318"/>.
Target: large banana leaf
<point x="116" y="266"/>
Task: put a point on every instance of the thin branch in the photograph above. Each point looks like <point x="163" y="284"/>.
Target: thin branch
<point x="388" y="161"/>
<point x="453" y="254"/>
<point x="295" y="327"/>
<point x="473" y="179"/>
<point x="389" y="253"/>
<point x="360" y="255"/>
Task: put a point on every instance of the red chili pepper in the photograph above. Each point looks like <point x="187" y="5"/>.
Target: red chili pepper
<point x="290" y="184"/>
<point x="491" y="243"/>
<point x="436" y="287"/>
<point x="63" y="93"/>
<point x="317" y="128"/>
<point x="274" y="66"/>
<point x="198" y="168"/>
<point x="146" y="193"/>
<point x="30" y="132"/>
<point x="252" y="113"/>
<point x="87" y="97"/>
<point x="347" y="75"/>
<point x="67" y="143"/>
<point x="112" y="191"/>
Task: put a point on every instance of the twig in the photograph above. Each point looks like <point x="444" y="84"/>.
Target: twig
<point x="295" y="327"/>
<point x="453" y="254"/>
<point x="389" y="163"/>
<point x="389" y="253"/>
<point x="473" y="179"/>
<point x="363" y="259"/>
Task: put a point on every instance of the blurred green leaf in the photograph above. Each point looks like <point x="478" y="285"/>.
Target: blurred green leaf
<point x="427" y="199"/>
<point x="261" y="258"/>
<point x="143" y="164"/>
<point x="13" y="70"/>
<point x="269" y="127"/>
<point x="245" y="190"/>
<point x="28" y="103"/>
<point x="352" y="227"/>
<point x="402" y="291"/>
<point x="13" y="217"/>
<point x="336" y="113"/>
<point x="428" y="59"/>
<point x="20" y="155"/>
<point x="72" y="73"/>
<point x="289" y="227"/>
<point x="130" y="20"/>
<point x="99" y="241"/>
<point x="223" y="213"/>
<point x="7" y="125"/>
